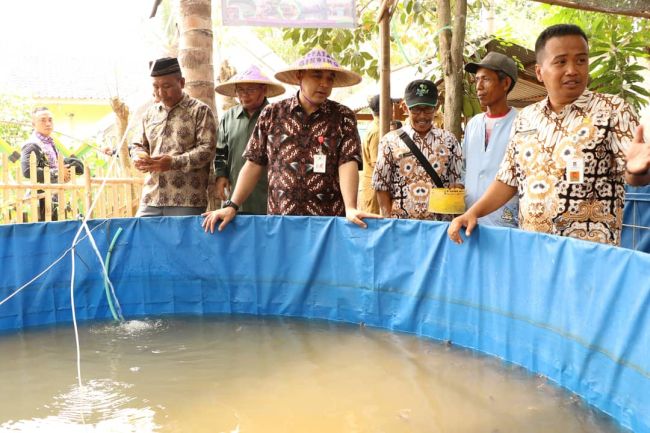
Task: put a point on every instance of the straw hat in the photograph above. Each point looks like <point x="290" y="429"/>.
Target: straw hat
<point x="319" y="59"/>
<point x="252" y="75"/>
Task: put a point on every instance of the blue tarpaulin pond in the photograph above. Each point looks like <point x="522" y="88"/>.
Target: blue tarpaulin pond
<point x="576" y="312"/>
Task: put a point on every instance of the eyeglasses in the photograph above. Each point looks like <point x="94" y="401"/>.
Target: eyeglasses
<point x="422" y="110"/>
<point x="247" y="90"/>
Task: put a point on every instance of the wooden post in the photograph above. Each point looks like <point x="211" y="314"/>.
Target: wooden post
<point x="385" y="105"/>
<point x="47" y="181"/>
<point x="88" y="194"/>
<point x="5" y="212"/>
<point x="129" y="201"/>
<point x="33" y="198"/>
<point x="19" y="195"/>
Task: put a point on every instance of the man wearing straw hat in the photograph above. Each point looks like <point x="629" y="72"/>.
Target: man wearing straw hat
<point x="176" y="148"/>
<point x="310" y="145"/>
<point x="417" y="159"/>
<point x="252" y="88"/>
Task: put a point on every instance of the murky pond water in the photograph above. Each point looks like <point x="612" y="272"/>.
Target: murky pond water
<point x="246" y="374"/>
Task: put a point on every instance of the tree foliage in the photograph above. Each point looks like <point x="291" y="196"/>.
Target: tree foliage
<point x="413" y="38"/>
<point x="15" y="120"/>
<point x="617" y="42"/>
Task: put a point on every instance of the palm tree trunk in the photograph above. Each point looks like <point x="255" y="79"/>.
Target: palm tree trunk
<point x="195" y="58"/>
<point x="195" y="49"/>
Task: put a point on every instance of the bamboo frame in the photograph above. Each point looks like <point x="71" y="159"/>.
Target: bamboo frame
<point x="20" y="197"/>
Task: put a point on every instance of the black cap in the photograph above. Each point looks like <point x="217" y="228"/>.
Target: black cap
<point x="496" y="62"/>
<point x="164" y="66"/>
<point x="373" y="103"/>
<point x="421" y="92"/>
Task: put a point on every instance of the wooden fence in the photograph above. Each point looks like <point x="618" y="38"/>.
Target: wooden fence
<point x="20" y="197"/>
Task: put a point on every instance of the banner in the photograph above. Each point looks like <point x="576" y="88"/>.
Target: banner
<point x="289" y="13"/>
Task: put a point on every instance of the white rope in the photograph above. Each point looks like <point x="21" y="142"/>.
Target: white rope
<point x="77" y="239"/>
<point x="27" y="284"/>
<point x="76" y="333"/>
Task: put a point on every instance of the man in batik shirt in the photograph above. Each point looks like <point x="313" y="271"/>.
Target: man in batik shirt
<point x="176" y="148"/>
<point x="566" y="157"/>
<point x="309" y="144"/>
<point x="402" y="183"/>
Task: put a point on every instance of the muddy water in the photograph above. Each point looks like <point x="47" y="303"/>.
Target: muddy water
<point x="243" y="374"/>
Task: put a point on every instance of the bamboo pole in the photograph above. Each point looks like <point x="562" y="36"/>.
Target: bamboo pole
<point x="47" y="180"/>
<point x="19" y="193"/>
<point x="52" y="187"/>
<point x="129" y="202"/>
<point x="5" y="217"/>
<point x="113" y="208"/>
<point x="33" y="203"/>
<point x="88" y="194"/>
<point x="74" y="202"/>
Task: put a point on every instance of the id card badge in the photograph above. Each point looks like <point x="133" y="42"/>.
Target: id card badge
<point x="575" y="170"/>
<point x="319" y="163"/>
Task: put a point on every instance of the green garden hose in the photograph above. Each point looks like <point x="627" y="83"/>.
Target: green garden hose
<point x="107" y="263"/>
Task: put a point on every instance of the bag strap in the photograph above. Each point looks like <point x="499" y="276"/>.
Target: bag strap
<point x="423" y="161"/>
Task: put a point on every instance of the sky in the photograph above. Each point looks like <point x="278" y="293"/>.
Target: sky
<point x="108" y="38"/>
<point x="68" y="25"/>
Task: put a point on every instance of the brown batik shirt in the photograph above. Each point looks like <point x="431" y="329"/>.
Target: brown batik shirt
<point x="399" y="172"/>
<point x="186" y="132"/>
<point x="286" y="140"/>
<point x="595" y="129"/>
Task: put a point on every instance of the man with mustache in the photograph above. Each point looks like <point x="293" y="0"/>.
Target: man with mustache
<point x="402" y="183"/>
<point x="487" y="134"/>
<point x="567" y="156"/>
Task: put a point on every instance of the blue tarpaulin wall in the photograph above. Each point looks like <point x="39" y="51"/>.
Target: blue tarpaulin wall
<point x="576" y="312"/>
<point x="636" y="219"/>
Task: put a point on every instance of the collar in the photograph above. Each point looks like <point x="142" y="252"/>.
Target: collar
<point x="413" y="133"/>
<point x="294" y="105"/>
<point x="43" y="138"/>
<point x="581" y="102"/>
<point x="511" y="113"/>
<point x="240" y="112"/>
<point x="182" y="103"/>
<point x="499" y="117"/>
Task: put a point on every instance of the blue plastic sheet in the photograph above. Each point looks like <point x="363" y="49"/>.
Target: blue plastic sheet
<point x="576" y="312"/>
<point x="636" y="219"/>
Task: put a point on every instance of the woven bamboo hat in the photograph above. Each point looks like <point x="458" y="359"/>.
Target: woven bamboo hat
<point x="321" y="60"/>
<point x="252" y="75"/>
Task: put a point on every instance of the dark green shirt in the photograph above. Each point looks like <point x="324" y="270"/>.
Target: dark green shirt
<point x="235" y="128"/>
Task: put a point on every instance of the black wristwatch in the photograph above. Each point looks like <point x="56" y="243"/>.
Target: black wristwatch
<point x="232" y="204"/>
